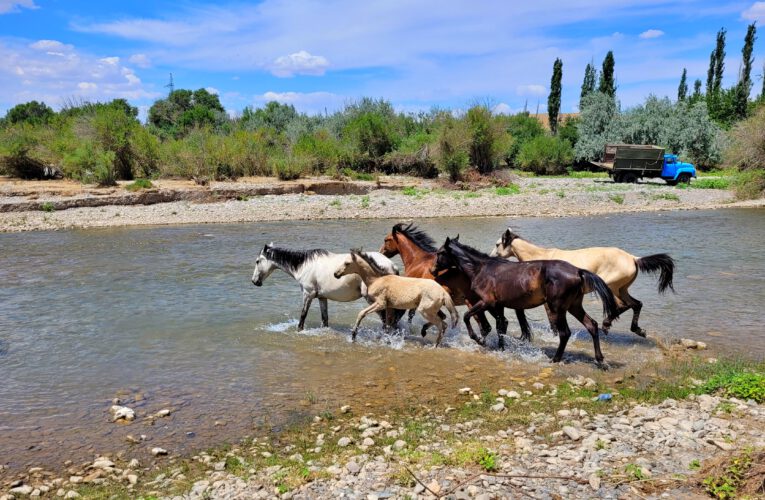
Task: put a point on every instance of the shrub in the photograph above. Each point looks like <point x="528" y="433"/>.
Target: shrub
<point x="139" y="184"/>
<point x="750" y="185"/>
<point x="545" y="155"/>
<point x="522" y="128"/>
<point x="599" y="125"/>
<point x="418" y="164"/>
<point x="453" y="149"/>
<point x="711" y="184"/>
<point x="747" y="146"/>
<point x="290" y="168"/>
<point x="32" y="112"/>
<point x="488" y="142"/>
<point x="372" y="134"/>
<point x="569" y="130"/>
<point x="507" y="190"/>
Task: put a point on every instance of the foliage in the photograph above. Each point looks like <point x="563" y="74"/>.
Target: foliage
<point x="510" y="189"/>
<point x="184" y="109"/>
<point x="290" y="168"/>
<point x="607" y="83"/>
<point x="747" y="148"/>
<point x="274" y="115"/>
<point x="139" y="184"/>
<point x="569" y="130"/>
<point x="599" y="125"/>
<point x="453" y="149"/>
<point x="487" y="460"/>
<point x="711" y="184"/>
<point x="553" y="100"/>
<point x="616" y="198"/>
<point x="635" y="472"/>
<point x="744" y="85"/>
<point x="750" y="184"/>
<point x="588" y="84"/>
<point x="522" y="128"/>
<point x="32" y="112"/>
<point x="742" y="385"/>
<point x="487" y="139"/>
<point x="725" y="485"/>
<point x="682" y="89"/>
<point x="545" y="155"/>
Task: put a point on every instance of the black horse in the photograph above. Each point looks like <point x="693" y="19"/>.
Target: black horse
<point x="524" y="285"/>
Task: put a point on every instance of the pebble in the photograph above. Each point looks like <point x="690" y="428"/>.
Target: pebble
<point x="498" y="407"/>
<point x="345" y="409"/>
<point x="464" y="390"/>
<point x="572" y="433"/>
<point x="594" y="481"/>
<point x="513" y="395"/>
<point x="353" y="468"/>
<point x="400" y="444"/>
<point x="24" y="489"/>
<point x="157" y="451"/>
<point x="368" y="442"/>
<point x="72" y="494"/>
<point x="122" y="413"/>
<point x="343" y="442"/>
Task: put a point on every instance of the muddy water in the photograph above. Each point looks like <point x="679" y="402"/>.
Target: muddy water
<point x="167" y="317"/>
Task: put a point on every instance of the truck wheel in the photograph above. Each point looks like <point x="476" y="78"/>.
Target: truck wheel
<point x="630" y="178"/>
<point x="684" y="178"/>
<point x="671" y="182"/>
<point x="618" y="177"/>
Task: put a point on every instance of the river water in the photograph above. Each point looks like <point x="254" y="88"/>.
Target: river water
<point x="166" y="317"/>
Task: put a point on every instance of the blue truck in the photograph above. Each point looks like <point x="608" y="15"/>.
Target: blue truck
<point x="630" y="162"/>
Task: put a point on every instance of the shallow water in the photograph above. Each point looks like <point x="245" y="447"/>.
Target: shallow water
<point x="167" y="317"/>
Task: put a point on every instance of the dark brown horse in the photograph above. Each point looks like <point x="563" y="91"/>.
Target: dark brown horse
<point x="500" y="283"/>
<point x="418" y="252"/>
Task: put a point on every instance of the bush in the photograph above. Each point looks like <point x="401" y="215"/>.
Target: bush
<point x="418" y="164"/>
<point x="32" y="112"/>
<point x="545" y="155"/>
<point x="747" y="147"/>
<point x="599" y="125"/>
<point x="487" y="139"/>
<point x="522" y="128"/>
<point x="371" y="134"/>
<point x="742" y="385"/>
<point x="139" y="184"/>
<point x="750" y="185"/>
<point x="453" y="149"/>
<point x="290" y="168"/>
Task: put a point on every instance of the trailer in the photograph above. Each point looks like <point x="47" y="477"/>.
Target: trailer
<point x="630" y="162"/>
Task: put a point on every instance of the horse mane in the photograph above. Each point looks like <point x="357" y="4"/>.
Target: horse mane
<point x="509" y="236"/>
<point x="292" y="259"/>
<point x="369" y="260"/>
<point x="418" y="236"/>
<point x="470" y="257"/>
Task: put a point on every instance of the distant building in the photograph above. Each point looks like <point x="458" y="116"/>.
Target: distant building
<point x="562" y="117"/>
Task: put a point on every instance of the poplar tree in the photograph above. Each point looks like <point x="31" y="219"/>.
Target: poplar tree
<point x="553" y="100"/>
<point x="745" y="78"/>
<point x="719" y="60"/>
<point x="682" y="89"/>
<point x="607" y="81"/>
<point x="588" y="85"/>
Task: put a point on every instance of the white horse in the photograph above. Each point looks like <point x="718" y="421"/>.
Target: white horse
<point x="314" y="271"/>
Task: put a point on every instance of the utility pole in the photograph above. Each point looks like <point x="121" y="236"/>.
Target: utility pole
<point x="170" y="85"/>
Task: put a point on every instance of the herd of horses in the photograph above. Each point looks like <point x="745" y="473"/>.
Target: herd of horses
<point x="458" y="274"/>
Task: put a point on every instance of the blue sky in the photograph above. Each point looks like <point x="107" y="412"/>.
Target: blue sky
<point x="319" y="55"/>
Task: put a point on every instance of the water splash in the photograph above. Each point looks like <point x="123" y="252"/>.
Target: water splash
<point x="281" y="326"/>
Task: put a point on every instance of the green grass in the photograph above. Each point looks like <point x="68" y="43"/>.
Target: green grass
<point x="739" y="384"/>
<point x="47" y="207"/>
<point x="666" y="196"/>
<point x="507" y="190"/>
<point x="718" y="183"/>
<point x="560" y="194"/>
<point x="725" y="485"/>
<point x="413" y="191"/>
<point x="616" y="198"/>
<point x="335" y="203"/>
<point x="585" y="174"/>
<point x="139" y="184"/>
<point x="365" y="201"/>
<point x="358" y="176"/>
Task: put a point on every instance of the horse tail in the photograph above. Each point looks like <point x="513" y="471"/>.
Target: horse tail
<point x="449" y="303"/>
<point x="594" y="283"/>
<point x="661" y="263"/>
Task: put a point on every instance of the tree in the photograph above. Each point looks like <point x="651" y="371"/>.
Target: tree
<point x="184" y="109"/>
<point x="696" y="90"/>
<point x="553" y="101"/>
<point x="719" y="60"/>
<point x="32" y="112"/>
<point x="682" y="89"/>
<point x="607" y="80"/>
<point x="588" y="85"/>
<point x="711" y="74"/>
<point x="599" y="124"/>
<point x="744" y="85"/>
<point x="273" y="114"/>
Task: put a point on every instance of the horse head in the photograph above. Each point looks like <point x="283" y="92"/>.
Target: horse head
<point x="444" y="257"/>
<point x="264" y="266"/>
<point x="389" y="247"/>
<point x="504" y="246"/>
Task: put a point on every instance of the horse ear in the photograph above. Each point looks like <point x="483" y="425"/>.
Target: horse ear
<point x="507" y="237"/>
<point x="457" y="238"/>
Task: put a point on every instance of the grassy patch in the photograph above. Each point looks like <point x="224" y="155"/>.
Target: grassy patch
<point x="47" y="207"/>
<point x="560" y="194"/>
<point x="365" y="201"/>
<point x="335" y="203"/>
<point x="743" y="385"/>
<point x="507" y="190"/>
<point x="725" y="484"/>
<point x="666" y="196"/>
<point x="707" y="183"/>
<point x="139" y="184"/>
<point x="413" y="191"/>
<point x="585" y="174"/>
<point x="358" y="176"/>
<point x="617" y="198"/>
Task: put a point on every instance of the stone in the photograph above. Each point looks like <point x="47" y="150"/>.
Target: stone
<point x="400" y="444"/>
<point x="157" y="451"/>
<point x="594" y="481"/>
<point x="345" y="409"/>
<point x="163" y="413"/>
<point x="75" y="479"/>
<point x="24" y="489"/>
<point x="434" y="486"/>
<point x="132" y="478"/>
<point x="464" y="390"/>
<point x="368" y="442"/>
<point x="721" y="444"/>
<point x="103" y="463"/>
<point x="572" y="433"/>
<point x="122" y="413"/>
<point x="498" y="407"/>
<point x="513" y="395"/>
<point x="134" y="464"/>
<point x="343" y="442"/>
<point x="72" y="494"/>
<point x="353" y="468"/>
<point x="538" y="386"/>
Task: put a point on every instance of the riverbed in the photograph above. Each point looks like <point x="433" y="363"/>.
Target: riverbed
<point x="166" y="317"/>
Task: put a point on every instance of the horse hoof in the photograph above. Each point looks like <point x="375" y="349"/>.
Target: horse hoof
<point x="639" y="332"/>
<point x="603" y="365"/>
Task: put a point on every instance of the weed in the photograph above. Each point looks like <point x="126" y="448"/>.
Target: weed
<point x="600" y="444"/>
<point x="365" y="201"/>
<point x="47" y="207"/>
<point x="413" y="191"/>
<point x="335" y="203"/>
<point x="724" y="485"/>
<point x="725" y="407"/>
<point x="487" y="459"/>
<point x="666" y="196"/>
<point x="634" y="471"/>
<point x="718" y="183"/>
<point x="616" y="198"/>
<point x="743" y="385"/>
<point x="695" y="464"/>
<point x="471" y="194"/>
<point x="560" y="194"/>
<point x="507" y="190"/>
<point x="242" y="197"/>
<point x="139" y="184"/>
<point x="234" y="465"/>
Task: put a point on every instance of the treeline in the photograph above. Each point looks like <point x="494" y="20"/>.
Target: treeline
<point x="188" y="134"/>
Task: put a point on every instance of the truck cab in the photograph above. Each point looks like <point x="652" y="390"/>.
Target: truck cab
<point x="675" y="171"/>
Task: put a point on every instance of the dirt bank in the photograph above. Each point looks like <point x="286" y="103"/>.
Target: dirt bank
<point x="63" y="204"/>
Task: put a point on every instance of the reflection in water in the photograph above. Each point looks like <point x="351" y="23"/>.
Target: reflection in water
<point x="167" y="317"/>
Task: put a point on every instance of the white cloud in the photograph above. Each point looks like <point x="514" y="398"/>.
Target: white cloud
<point x="300" y="63"/>
<point x="212" y="90"/>
<point x="502" y="109"/>
<point x="34" y="71"/>
<point x="756" y="12"/>
<point x="651" y="34"/>
<point x="308" y="102"/>
<point x="7" y="6"/>
<point x="140" y="60"/>
<point x="530" y="90"/>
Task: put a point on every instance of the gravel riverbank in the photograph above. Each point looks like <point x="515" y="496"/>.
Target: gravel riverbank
<point x="556" y="197"/>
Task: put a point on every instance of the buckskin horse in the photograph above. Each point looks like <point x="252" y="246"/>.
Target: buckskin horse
<point x="501" y="283"/>
<point x="618" y="268"/>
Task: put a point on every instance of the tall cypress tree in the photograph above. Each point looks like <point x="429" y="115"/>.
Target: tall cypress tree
<point x="719" y="60"/>
<point x="682" y="89"/>
<point x="745" y="79"/>
<point x="553" y="100"/>
<point x="711" y="74"/>
<point x="696" y="89"/>
<point x="588" y="85"/>
<point x="607" y="81"/>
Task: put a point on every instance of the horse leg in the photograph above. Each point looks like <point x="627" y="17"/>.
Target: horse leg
<point x="637" y="306"/>
<point x="525" y="328"/>
<point x="560" y="325"/>
<point x="374" y="307"/>
<point x="620" y="304"/>
<point x="591" y="325"/>
<point x="501" y="327"/>
<point x="411" y="315"/>
<point x="389" y="317"/>
<point x="547" y="311"/>
<point x="480" y="306"/>
<point x="306" y="305"/>
<point x="324" y="313"/>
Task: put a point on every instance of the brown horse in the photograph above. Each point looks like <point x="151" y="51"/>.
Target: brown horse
<point x="618" y="269"/>
<point x="524" y="285"/>
<point x="418" y="252"/>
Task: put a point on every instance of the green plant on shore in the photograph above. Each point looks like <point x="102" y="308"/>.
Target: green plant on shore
<point x="706" y="183"/>
<point x="335" y="203"/>
<point x="743" y="385"/>
<point x="725" y="485"/>
<point x="507" y="190"/>
<point x="616" y="198"/>
<point x="695" y="464"/>
<point x="47" y="207"/>
<point x="666" y="196"/>
<point x="365" y="201"/>
<point x="487" y="460"/>
<point x="139" y="184"/>
<point x="560" y="194"/>
<point x="634" y="472"/>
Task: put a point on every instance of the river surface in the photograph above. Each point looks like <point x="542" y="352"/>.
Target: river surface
<point x="166" y="317"/>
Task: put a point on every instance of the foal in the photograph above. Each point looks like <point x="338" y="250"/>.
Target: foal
<point x="390" y="292"/>
<point x="524" y="285"/>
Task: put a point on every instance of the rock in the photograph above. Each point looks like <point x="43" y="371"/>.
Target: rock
<point x="400" y="444"/>
<point x="572" y="433"/>
<point x="103" y="463"/>
<point x="498" y="407"/>
<point x="513" y="395"/>
<point x="157" y="451"/>
<point x="132" y="478"/>
<point x="353" y="468"/>
<point x="693" y="344"/>
<point x="24" y="489"/>
<point x="594" y="481"/>
<point x="344" y="441"/>
<point x="345" y="409"/>
<point x="134" y="464"/>
<point x="538" y="386"/>
<point x="368" y="442"/>
<point x="502" y="392"/>
<point x="162" y="413"/>
<point x="72" y="494"/>
<point x="434" y="486"/>
<point x="564" y="413"/>
<point x="464" y="390"/>
<point x="721" y="444"/>
<point x="122" y="413"/>
<point x="75" y="479"/>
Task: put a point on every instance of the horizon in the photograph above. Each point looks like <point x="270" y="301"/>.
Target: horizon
<point x="417" y="57"/>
